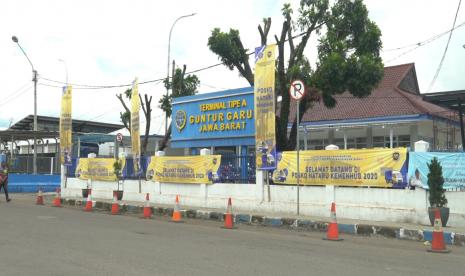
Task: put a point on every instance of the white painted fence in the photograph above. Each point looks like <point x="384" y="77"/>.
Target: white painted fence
<point x="355" y="203"/>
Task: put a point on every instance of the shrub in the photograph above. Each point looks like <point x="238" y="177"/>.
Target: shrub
<point x="437" y="197"/>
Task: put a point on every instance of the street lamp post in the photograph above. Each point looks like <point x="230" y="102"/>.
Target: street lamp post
<point x="34" y="79"/>
<point x="168" y="64"/>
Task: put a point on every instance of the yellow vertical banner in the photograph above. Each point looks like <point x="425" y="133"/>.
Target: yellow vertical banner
<point x="264" y="93"/>
<point x="66" y="132"/>
<point x="135" y="130"/>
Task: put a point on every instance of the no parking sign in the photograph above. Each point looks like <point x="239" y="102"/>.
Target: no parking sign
<point x="297" y="89"/>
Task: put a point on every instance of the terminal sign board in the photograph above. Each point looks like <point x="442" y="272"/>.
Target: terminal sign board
<point x="212" y="119"/>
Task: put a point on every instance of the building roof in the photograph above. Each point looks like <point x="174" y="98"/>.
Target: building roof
<point x="449" y="99"/>
<point x="45" y="123"/>
<point x="396" y="95"/>
<point x="18" y="135"/>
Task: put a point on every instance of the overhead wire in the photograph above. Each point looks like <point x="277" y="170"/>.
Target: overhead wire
<point x="15" y="96"/>
<point x="16" y="91"/>
<point x="438" y="70"/>
<point x="426" y="41"/>
<point x="89" y="86"/>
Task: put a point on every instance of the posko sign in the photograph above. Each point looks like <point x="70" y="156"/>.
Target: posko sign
<point x="226" y="114"/>
<point x="361" y="167"/>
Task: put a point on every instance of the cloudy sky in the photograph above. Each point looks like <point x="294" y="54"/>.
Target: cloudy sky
<point x="112" y="42"/>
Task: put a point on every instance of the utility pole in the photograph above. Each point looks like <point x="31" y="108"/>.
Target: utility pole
<point x="34" y="79"/>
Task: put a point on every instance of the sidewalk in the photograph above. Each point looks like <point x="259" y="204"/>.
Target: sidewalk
<point x="404" y="231"/>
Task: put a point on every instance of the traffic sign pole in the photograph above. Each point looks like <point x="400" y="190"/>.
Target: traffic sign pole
<point x="297" y="92"/>
<point x="298" y="158"/>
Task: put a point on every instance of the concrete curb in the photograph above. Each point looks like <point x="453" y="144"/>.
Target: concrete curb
<point x="450" y="238"/>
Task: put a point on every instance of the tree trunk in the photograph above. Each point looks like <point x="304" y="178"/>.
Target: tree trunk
<point x="164" y="142"/>
<point x="146" y="108"/>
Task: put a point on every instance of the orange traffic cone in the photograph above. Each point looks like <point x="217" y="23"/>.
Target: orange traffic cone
<point x="333" y="231"/>
<point x="115" y="205"/>
<point x="57" y="199"/>
<point x="147" y="208"/>
<point x="437" y="244"/>
<point x="228" y="218"/>
<point x="176" y="213"/>
<point x="40" y="197"/>
<point x="88" y="207"/>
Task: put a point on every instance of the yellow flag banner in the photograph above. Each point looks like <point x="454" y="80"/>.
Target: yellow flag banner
<point x="66" y="132"/>
<point x="135" y="132"/>
<point x="184" y="169"/>
<point x="98" y="168"/>
<point x="365" y="167"/>
<point x="264" y="93"/>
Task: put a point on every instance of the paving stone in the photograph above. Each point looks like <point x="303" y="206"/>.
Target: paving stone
<point x="257" y="219"/>
<point x="363" y="229"/>
<point x="386" y="231"/>
<point x="289" y="222"/>
<point x="216" y="216"/>
<point x="242" y="218"/>
<point x="347" y="228"/>
<point x="274" y="222"/>
<point x="191" y="213"/>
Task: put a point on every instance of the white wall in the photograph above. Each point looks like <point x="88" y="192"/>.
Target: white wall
<point x="354" y="203"/>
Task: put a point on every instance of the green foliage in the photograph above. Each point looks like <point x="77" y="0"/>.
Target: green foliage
<point x="117" y="166"/>
<point x="180" y="86"/>
<point x="227" y="46"/>
<point x="437" y="197"/>
<point x="125" y="118"/>
<point x="128" y="93"/>
<point x="348" y="54"/>
<point x="348" y="46"/>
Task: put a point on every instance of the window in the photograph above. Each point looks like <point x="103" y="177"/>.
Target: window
<point x="397" y="141"/>
<point x="378" y="142"/>
<point x="404" y="141"/>
<point x="361" y="142"/>
<point x="316" y="145"/>
<point x="339" y="142"/>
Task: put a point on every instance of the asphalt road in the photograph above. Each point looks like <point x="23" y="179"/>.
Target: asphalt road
<point x="40" y="240"/>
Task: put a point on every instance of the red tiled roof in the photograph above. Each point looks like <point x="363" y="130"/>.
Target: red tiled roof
<point x="385" y="100"/>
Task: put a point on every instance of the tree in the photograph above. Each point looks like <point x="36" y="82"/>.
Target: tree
<point x="348" y="56"/>
<point x="437" y="197"/>
<point x="125" y="116"/>
<point x="180" y="85"/>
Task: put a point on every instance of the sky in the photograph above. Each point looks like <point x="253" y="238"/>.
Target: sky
<point x="97" y="42"/>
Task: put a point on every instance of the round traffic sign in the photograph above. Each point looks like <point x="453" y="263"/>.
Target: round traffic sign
<point x="119" y="137"/>
<point x="297" y="89"/>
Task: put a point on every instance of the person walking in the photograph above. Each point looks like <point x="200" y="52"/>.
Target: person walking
<point x="4" y="180"/>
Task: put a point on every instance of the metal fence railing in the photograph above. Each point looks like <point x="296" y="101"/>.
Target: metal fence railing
<point x="24" y="164"/>
<point x="237" y="169"/>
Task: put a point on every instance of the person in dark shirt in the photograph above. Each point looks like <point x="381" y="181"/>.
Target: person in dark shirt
<point x="4" y="180"/>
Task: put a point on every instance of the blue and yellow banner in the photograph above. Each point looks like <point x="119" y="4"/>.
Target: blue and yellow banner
<point x="98" y="168"/>
<point x="364" y="167"/>
<point x="184" y="169"/>
<point x="264" y="91"/>
<point x="453" y="164"/>
<point x="66" y="130"/>
<point x="135" y="127"/>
